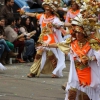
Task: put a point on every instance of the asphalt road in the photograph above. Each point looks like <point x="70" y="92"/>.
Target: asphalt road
<point x="14" y="84"/>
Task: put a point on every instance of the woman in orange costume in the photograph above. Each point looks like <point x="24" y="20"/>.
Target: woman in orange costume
<point x="83" y="82"/>
<point x="48" y="60"/>
<point x="72" y="12"/>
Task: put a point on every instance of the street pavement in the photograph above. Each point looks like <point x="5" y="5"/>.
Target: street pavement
<point x="14" y="84"/>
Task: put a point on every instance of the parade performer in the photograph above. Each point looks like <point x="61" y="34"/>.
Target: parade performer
<point x="84" y="69"/>
<point x="72" y="12"/>
<point x="48" y="60"/>
<point x="88" y="16"/>
<point x="83" y="82"/>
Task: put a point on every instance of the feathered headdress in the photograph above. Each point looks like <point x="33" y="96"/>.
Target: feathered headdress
<point x="88" y="25"/>
<point x="92" y="7"/>
<point x="53" y="4"/>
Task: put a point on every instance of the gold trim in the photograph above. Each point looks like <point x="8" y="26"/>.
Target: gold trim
<point x="74" y="89"/>
<point x="80" y="65"/>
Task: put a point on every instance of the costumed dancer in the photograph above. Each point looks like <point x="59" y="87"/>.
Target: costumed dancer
<point x="73" y="11"/>
<point x="84" y="72"/>
<point x="48" y="60"/>
<point x="83" y="82"/>
<point x="89" y="11"/>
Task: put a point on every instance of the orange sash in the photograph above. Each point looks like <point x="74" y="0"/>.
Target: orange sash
<point x="80" y="51"/>
<point x="84" y="75"/>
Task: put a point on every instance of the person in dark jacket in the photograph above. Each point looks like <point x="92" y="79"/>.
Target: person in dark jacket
<point x="6" y="10"/>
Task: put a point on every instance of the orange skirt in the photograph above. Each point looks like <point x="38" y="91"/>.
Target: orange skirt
<point x="84" y="76"/>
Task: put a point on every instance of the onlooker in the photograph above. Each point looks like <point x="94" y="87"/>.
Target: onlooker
<point x="5" y="47"/>
<point x="7" y="10"/>
<point x="38" y="30"/>
<point x="27" y="23"/>
<point x="21" y="40"/>
<point x="18" y="21"/>
<point x="34" y="25"/>
<point x="1" y="48"/>
<point x="13" y="37"/>
<point x="31" y="26"/>
<point x="28" y="30"/>
<point x="2" y="25"/>
<point x="5" y="56"/>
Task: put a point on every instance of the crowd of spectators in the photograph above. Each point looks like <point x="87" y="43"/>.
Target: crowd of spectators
<point x="18" y="35"/>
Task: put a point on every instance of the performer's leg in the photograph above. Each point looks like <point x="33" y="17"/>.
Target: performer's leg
<point x="72" y="94"/>
<point x="83" y="96"/>
<point x="35" y="68"/>
<point x="52" y="58"/>
<point x="64" y="86"/>
<point x="60" y="63"/>
<point x="53" y="61"/>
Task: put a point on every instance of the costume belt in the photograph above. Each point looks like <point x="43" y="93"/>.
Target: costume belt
<point x="80" y="65"/>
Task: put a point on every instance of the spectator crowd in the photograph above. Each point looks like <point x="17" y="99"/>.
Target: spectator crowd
<point x="18" y="35"/>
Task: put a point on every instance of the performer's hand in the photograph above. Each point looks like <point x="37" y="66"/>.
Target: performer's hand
<point x="92" y="58"/>
<point x="21" y="11"/>
<point x="45" y="45"/>
<point x="84" y="60"/>
<point x="56" y="26"/>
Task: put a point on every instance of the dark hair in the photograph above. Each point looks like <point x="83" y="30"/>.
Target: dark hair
<point x="10" y="20"/>
<point x="7" y="1"/>
<point x="2" y="18"/>
<point x="23" y="21"/>
<point x="34" y="20"/>
<point x="23" y="24"/>
<point x="74" y="3"/>
<point x="18" y="18"/>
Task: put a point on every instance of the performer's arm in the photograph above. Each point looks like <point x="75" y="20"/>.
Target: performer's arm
<point x="67" y="24"/>
<point x="93" y="19"/>
<point x="53" y="45"/>
<point x="31" y="14"/>
<point x="64" y="47"/>
<point x="22" y="12"/>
